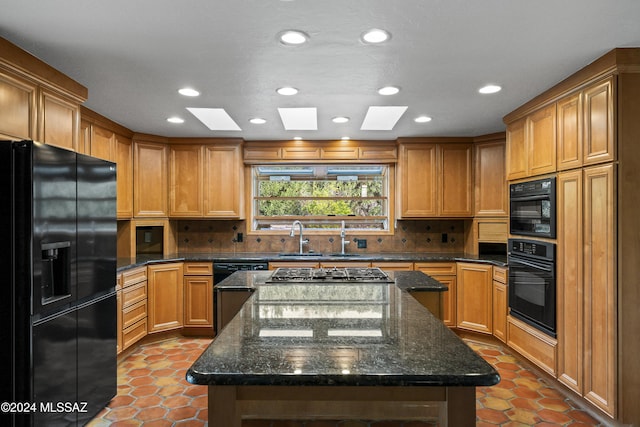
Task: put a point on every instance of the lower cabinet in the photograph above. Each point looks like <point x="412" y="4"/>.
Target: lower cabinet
<point x="474" y="309"/>
<point x="166" y="297"/>
<point x="198" y="295"/>
<point x="132" y="307"/>
<point x="228" y="304"/>
<point x="445" y="273"/>
<point x="500" y="303"/>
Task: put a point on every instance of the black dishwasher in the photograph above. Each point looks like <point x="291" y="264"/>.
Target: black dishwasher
<point x="228" y="301"/>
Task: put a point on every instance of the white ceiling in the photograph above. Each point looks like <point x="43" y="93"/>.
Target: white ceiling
<point x="133" y="56"/>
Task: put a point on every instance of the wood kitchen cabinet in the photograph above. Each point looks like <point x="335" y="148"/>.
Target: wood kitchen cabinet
<point x="150" y="179"/>
<point x="435" y="180"/>
<point x="198" y="295"/>
<point x="445" y="273"/>
<point x="586" y="126"/>
<point x="166" y="296"/>
<point x="393" y="266"/>
<point x="490" y="183"/>
<point x="531" y="144"/>
<point x="474" y="303"/>
<point x="500" y="307"/>
<point x="98" y="139"/>
<point x="206" y="181"/>
<point x="132" y="315"/>
<point x="37" y="101"/>
<point x="587" y="306"/>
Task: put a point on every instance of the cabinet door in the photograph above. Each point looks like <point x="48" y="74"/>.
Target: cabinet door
<point x="150" y="180"/>
<point x="18" y="106"/>
<point x="418" y="181"/>
<point x="124" y="161"/>
<point x="570" y="132"/>
<point x="223" y="182"/>
<point x="185" y="181"/>
<point x="516" y="150"/>
<point x="448" y="299"/>
<point x="456" y="180"/>
<point x="59" y="121"/>
<point x="598" y="123"/>
<point x="569" y="276"/>
<point x="541" y="141"/>
<point x="474" y="299"/>
<point x="490" y="180"/>
<point x="165" y="300"/>
<point x="600" y="287"/>
<point x="102" y="143"/>
<point x="198" y="302"/>
<point x="500" y="311"/>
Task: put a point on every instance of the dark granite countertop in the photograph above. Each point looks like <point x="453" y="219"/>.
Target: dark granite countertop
<point x="367" y="334"/>
<point x="127" y="263"/>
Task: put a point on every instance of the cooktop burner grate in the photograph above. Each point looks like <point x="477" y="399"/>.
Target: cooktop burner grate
<point x="347" y="274"/>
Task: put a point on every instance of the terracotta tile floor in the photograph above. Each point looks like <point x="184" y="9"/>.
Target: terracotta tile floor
<point x="152" y="392"/>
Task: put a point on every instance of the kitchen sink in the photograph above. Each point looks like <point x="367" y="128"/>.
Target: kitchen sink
<point x="296" y="254"/>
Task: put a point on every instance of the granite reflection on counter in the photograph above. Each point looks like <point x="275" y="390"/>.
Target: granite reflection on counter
<point x="364" y="334"/>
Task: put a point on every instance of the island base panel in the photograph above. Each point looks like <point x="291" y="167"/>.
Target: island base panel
<point x="449" y="406"/>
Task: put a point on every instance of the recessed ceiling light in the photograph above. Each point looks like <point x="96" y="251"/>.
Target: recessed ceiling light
<point x="187" y="91"/>
<point x="176" y="120"/>
<point x="287" y="90"/>
<point x="340" y="119"/>
<point x="375" y="36"/>
<point x="422" y="119"/>
<point x="388" y="90"/>
<point x="293" y="37"/>
<point x="490" y="89"/>
<point x="257" y="121"/>
<point x="345" y="138"/>
<point x="297" y="138"/>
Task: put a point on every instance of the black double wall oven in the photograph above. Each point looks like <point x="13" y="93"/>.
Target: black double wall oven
<point x="532" y="263"/>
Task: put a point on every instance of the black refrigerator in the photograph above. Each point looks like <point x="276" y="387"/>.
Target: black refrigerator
<point x="58" y="299"/>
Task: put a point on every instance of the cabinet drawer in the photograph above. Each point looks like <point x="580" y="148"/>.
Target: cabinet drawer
<point x="134" y="313"/>
<point x="134" y="333"/>
<point x="393" y="266"/>
<point x="198" y="269"/>
<point x="134" y="294"/>
<point x="119" y="281"/>
<point x="136" y="275"/>
<point x="500" y="274"/>
<point x="441" y="268"/>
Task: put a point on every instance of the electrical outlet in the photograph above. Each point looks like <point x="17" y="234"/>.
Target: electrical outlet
<point x="239" y="237"/>
<point x="445" y="238"/>
<point x="362" y="243"/>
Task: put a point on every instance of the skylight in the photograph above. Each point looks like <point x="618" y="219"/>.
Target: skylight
<point x="299" y="118"/>
<point x="214" y="118"/>
<point x="382" y="118"/>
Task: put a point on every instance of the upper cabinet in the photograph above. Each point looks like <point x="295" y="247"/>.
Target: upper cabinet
<point x="206" y="180"/>
<point x="150" y="179"/>
<point x="531" y="144"/>
<point x="577" y="130"/>
<point x="99" y="137"/>
<point x="320" y="151"/>
<point x="37" y="101"/>
<point x="491" y="195"/>
<point x="435" y="180"/>
<point x="585" y="126"/>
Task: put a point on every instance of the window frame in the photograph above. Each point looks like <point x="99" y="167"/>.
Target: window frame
<point x="389" y="219"/>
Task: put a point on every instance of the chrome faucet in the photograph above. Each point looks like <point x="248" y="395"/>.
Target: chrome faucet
<point x="343" y="234"/>
<point x="303" y="241"/>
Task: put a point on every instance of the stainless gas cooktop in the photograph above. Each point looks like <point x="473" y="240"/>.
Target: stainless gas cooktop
<point x="325" y="275"/>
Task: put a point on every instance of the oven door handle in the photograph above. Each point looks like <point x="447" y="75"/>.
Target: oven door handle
<point x="528" y="264"/>
<point x="529" y="198"/>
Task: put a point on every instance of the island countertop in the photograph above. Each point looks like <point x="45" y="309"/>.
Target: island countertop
<point x="332" y="334"/>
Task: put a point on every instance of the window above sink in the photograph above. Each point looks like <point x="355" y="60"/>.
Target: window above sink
<point x="321" y="196"/>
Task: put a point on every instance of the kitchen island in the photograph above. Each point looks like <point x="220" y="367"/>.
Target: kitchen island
<point x="338" y="351"/>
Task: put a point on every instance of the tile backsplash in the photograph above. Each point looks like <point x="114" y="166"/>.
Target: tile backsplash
<point x="410" y="236"/>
